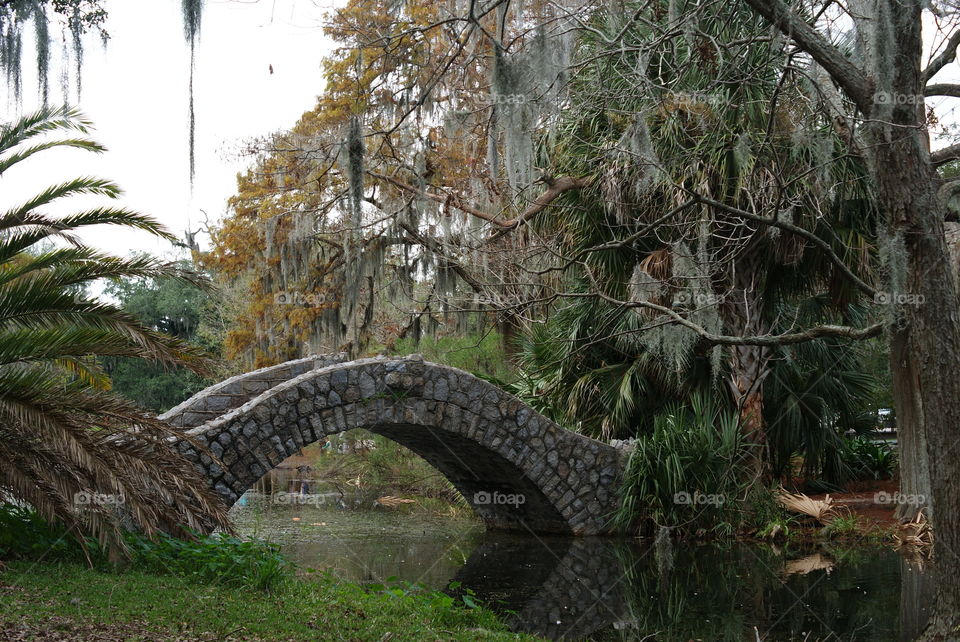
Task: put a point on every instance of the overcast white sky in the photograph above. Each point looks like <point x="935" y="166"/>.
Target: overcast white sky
<point x="136" y="94"/>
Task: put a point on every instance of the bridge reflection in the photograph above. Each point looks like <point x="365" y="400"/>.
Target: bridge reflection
<point x="613" y="589"/>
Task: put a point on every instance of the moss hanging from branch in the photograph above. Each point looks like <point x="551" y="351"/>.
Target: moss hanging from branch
<point x="77" y="17"/>
<point x="41" y="27"/>
<point x="192" y="12"/>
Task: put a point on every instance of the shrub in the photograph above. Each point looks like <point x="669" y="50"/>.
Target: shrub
<point x="692" y="473"/>
<point x="213" y="559"/>
<point x="864" y="458"/>
<point x="24" y="534"/>
<point x="216" y="559"/>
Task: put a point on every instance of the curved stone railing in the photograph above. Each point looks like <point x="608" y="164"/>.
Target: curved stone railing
<point x="517" y="469"/>
<point x="231" y="393"/>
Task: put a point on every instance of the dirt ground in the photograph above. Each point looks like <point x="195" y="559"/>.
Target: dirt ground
<point x="871" y="500"/>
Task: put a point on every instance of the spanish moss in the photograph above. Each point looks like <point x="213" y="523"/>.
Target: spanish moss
<point x="192" y="12"/>
<point x="76" y="16"/>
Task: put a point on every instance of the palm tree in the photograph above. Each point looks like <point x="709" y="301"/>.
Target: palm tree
<point x="73" y="450"/>
<point x="652" y="126"/>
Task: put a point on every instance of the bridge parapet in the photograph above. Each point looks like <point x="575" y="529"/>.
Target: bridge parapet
<point x="231" y="393"/>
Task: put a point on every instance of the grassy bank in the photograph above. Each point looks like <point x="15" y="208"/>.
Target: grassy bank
<point x="65" y="600"/>
<point x="208" y="588"/>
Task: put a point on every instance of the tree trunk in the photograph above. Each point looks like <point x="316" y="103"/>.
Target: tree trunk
<point x="748" y="364"/>
<point x="915" y="491"/>
<point x="925" y="340"/>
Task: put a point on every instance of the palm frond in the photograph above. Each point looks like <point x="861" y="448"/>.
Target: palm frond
<point x="63" y="434"/>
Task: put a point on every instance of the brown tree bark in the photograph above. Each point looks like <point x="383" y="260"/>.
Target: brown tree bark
<point x="925" y="340"/>
<point x="925" y="336"/>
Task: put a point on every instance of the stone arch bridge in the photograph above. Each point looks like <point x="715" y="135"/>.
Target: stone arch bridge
<point x="488" y="443"/>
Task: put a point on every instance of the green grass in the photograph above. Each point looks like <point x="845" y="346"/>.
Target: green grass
<point x="68" y="596"/>
<point x="843" y="526"/>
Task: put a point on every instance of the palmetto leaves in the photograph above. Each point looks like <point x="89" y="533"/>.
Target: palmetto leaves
<point x="73" y="450"/>
<point x="654" y="124"/>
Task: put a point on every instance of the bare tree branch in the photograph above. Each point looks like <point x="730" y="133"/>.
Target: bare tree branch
<point x="799" y="231"/>
<point x="942" y="89"/>
<point x="555" y="187"/>
<point x="853" y="80"/>
<point x="811" y="333"/>
<point x="945" y="155"/>
<point x="946" y="56"/>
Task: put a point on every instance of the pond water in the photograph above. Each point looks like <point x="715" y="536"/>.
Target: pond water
<point x="599" y="588"/>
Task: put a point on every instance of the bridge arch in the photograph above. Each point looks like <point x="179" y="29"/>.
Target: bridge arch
<point x="517" y="469"/>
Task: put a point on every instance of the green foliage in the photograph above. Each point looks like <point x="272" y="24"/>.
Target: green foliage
<point x="481" y="355"/>
<point x="876" y="362"/>
<point x="152" y="387"/>
<point x="864" y="458"/>
<point x="842" y="526"/>
<point x="715" y="124"/>
<point x="776" y="529"/>
<point x="25" y="534"/>
<point x="451" y="605"/>
<point x="211" y="559"/>
<point x="587" y="368"/>
<point x="216" y="559"/>
<point x="318" y="606"/>
<point x="692" y="473"/>
<point x="172" y="307"/>
<point x="816" y="392"/>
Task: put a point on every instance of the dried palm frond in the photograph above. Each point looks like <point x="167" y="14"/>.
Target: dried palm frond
<point x="821" y="510"/>
<point x="915" y="536"/>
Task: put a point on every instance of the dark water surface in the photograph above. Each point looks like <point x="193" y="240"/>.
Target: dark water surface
<point x="603" y="588"/>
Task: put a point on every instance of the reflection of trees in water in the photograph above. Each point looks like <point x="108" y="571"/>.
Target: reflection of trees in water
<point x="609" y="589"/>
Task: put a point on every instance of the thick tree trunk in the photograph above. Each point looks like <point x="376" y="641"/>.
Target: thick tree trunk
<point x="915" y="491"/>
<point x="925" y="341"/>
